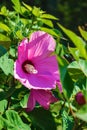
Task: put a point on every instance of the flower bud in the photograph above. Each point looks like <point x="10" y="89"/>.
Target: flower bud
<point x="80" y="99"/>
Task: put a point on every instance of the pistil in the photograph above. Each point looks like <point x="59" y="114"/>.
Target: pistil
<point x="29" y="68"/>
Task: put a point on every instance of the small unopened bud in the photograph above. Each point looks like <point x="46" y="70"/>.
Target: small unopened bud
<point x="80" y="99"/>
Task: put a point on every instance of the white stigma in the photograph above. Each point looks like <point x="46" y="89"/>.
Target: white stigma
<point x="30" y="69"/>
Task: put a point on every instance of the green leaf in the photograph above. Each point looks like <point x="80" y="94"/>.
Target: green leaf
<point x="24" y="101"/>
<point x="27" y="6"/>
<point x="4" y="41"/>
<point x="68" y="121"/>
<point x="83" y="33"/>
<point x="19" y="34"/>
<point x="47" y="22"/>
<point x="63" y="67"/>
<point x="43" y="119"/>
<point x="75" y="52"/>
<point x="85" y="93"/>
<point x="13" y="122"/>
<point x="82" y="113"/>
<point x="66" y="80"/>
<point x="77" y="68"/>
<point x="48" y="16"/>
<point x="12" y="51"/>
<point x="50" y="31"/>
<point x="56" y="107"/>
<point x="8" y="93"/>
<point x="4" y="27"/>
<point x="4" y="123"/>
<point x="3" y="105"/>
<point x="6" y="64"/>
<point x="80" y="85"/>
<point x="2" y="51"/>
<point x="24" y="11"/>
<point x="83" y="66"/>
<point x="36" y="11"/>
<point x="4" y="11"/>
<point x="68" y="85"/>
<point x="75" y="71"/>
<point x="16" y="121"/>
<point x="17" y="5"/>
<point x="4" y="38"/>
<point x="78" y="41"/>
<point x="60" y="49"/>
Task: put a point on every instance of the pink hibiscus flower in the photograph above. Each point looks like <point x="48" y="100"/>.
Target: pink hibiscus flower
<point x="36" y="67"/>
<point x="43" y="97"/>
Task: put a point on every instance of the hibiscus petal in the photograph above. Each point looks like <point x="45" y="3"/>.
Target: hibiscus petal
<point x="41" y="44"/>
<point x="47" y="66"/>
<point x="23" y="51"/>
<point x="31" y="102"/>
<point x="34" y="81"/>
<point x="45" y="79"/>
<point x="18" y="72"/>
<point x="36" y="34"/>
<point x="59" y="86"/>
<point x="37" y="81"/>
<point x="44" y="98"/>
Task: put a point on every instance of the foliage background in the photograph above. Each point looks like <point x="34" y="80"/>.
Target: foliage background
<point x="70" y="12"/>
<point x="71" y="52"/>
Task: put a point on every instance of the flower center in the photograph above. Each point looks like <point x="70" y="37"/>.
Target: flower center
<point x="28" y="67"/>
